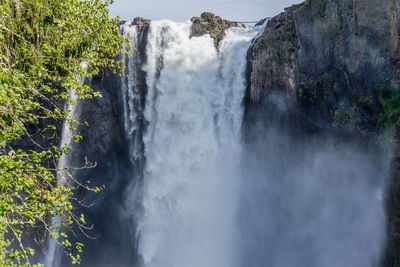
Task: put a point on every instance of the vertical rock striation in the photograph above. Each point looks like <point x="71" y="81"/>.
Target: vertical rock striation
<point x="329" y="59"/>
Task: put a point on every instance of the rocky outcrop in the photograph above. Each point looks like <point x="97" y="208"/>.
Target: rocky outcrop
<point x="272" y="66"/>
<point x="261" y="22"/>
<point x="213" y="25"/>
<point x="330" y="58"/>
<point x="141" y="23"/>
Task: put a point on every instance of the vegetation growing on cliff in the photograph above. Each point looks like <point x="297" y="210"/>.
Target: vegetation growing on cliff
<point x="390" y="100"/>
<point x="43" y="43"/>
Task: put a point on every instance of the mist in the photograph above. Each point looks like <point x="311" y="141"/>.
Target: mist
<point x="309" y="200"/>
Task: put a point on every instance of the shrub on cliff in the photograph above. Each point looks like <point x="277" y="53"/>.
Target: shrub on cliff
<point x="43" y="43"/>
<point x="390" y="101"/>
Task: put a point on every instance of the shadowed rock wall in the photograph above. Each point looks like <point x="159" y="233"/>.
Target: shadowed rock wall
<point x="329" y="59"/>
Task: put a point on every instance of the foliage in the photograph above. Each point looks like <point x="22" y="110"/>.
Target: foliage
<point x="390" y="100"/>
<point x="322" y="5"/>
<point x="300" y="92"/>
<point x="305" y="5"/>
<point x="344" y="114"/>
<point x="43" y="43"/>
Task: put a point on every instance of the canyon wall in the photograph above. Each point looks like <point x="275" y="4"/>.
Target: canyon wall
<point x="330" y="59"/>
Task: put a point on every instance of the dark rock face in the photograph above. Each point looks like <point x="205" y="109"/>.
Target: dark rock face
<point x="261" y="22"/>
<point x="329" y="59"/>
<point x="102" y="114"/>
<point x="272" y="68"/>
<point x="142" y="23"/>
<point x="393" y="205"/>
<point x="104" y="143"/>
<point x="213" y="25"/>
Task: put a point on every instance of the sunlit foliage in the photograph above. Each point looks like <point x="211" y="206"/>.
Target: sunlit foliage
<point x="42" y="46"/>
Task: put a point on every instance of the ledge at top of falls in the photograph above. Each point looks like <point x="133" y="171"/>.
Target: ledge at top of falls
<point x="140" y="22"/>
<point x="215" y="26"/>
<point x="207" y="23"/>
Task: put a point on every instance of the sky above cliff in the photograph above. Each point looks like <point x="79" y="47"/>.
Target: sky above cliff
<point x="182" y="10"/>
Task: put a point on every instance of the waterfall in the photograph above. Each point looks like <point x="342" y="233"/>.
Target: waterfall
<point x="129" y="82"/>
<point x="211" y="182"/>
<point x="132" y="92"/>
<point x="205" y="199"/>
<point x="192" y="143"/>
<point x="53" y="258"/>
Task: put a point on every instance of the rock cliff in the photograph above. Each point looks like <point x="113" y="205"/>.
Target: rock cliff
<point x="331" y="59"/>
<point x="104" y="143"/>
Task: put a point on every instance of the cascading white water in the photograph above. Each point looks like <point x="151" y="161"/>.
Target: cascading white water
<point x="201" y="197"/>
<point x="52" y="258"/>
<point x="208" y="201"/>
<point x="129" y="84"/>
<point x="131" y="91"/>
<point x="194" y="110"/>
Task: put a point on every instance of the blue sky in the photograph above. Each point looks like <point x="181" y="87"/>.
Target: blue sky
<point x="182" y="10"/>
